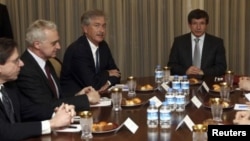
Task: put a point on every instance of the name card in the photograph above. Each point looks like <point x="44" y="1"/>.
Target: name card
<point x="165" y="86"/>
<point x="131" y="125"/>
<point x="157" y="101"/>
<point x="205" y="86"/>
<point x="187" y="121"/>
<point x="196" y="101"/>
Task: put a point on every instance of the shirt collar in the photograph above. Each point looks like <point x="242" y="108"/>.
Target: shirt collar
<point x="194" y="37"/>
<point x="39" y="60"/>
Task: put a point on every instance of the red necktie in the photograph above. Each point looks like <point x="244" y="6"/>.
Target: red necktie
<point x="51" y="82"/>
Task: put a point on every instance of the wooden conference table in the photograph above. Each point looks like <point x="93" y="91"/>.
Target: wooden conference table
<point x="138" y="115"/>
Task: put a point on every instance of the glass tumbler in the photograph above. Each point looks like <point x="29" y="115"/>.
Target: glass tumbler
<point x="131" y="82"/>
<point x="116" y="97"/>
<point x="86" y="122"/>
<point x="199" y="132"/>
<point x="229" y="78"/>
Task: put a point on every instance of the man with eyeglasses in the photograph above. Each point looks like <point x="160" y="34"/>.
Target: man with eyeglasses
<point x="15" y="109"/>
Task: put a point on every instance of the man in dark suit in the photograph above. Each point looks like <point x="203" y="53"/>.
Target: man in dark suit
<point x="15" y="109"/>
<point x="208" y="59"/>
<point x="34" y="80"/>
<point x="5" y="26"/>
<point x="88" y="61"/>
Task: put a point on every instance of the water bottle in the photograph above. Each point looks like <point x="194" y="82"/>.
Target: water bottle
<point x="176" y="85"/>
<point x="165" y="116"/>
<point x="158" y="75"/>
<point x="180" y="101"/>
<point x="170" y="98"/>
<point x="185" y="87"/>
<point x="152" y="115"/>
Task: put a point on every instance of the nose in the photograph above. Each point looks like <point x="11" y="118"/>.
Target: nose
<point x="20" y="63"/>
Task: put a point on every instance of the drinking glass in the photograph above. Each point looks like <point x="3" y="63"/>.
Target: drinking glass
<point x="216" y="109"/>
<point x="199" y="132"/>
<point x="116" y="97"/>
<point x="131" y="82"/>
<point x="224" y="91"/>
<point x="229" y="78"/>
<point x="86" y="122"/>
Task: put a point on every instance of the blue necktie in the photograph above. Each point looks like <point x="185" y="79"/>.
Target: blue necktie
<point x="7" y="105"/>
<point x="97" y="65"/>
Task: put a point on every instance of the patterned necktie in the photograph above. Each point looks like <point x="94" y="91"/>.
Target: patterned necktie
<point x="197" y="56"/>
<point x="7" y="105"/>
<point x="49" y="77"/>
<point x="97" y="65"/>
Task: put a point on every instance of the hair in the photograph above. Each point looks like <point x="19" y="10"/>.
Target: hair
<point x="87" y="16"/>
<point x="35" y="31"/>
<point x="7" y="47"/>
<point x="198" y="14"/>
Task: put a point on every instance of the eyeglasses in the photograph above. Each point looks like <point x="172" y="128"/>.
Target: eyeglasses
<point x="16" y="61"/>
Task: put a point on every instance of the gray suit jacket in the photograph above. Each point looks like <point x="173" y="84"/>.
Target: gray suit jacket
<point x="213" y="61"/>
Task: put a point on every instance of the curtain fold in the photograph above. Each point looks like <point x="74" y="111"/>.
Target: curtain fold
<point x="140" y="33"/>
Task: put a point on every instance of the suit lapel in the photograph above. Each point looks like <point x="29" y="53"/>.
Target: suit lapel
<point x="206" y="45"/>
<point x="39" y="70"/>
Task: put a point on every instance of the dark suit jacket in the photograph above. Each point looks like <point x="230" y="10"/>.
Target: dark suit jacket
<point x="34" y="84"/>
<point x="213" y="61"/>
<point x="5" y="26"/>
<point x="24" y="110"/>
<point x="78" y="68"/>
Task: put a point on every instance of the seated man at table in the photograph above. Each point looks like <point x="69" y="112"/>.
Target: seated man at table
<point x="37" y="79"/>
<point x="88" y="61"/>
<point x="197" y="53"/>
<point x="15" y="109"/>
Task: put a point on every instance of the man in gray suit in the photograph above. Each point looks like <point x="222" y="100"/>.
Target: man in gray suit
<point x="197" y="52"/>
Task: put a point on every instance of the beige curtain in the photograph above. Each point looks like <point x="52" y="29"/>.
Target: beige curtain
<point x="140" y="32"/>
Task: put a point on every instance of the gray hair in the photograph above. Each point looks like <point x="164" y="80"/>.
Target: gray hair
<point x="87" y="16"/>
<point x="35" y="31"/>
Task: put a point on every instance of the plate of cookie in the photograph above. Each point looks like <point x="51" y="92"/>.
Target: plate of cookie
<point x="145" y="88"/>
<point x="104" y="127"/>
<point x="194" y="81"/>
<point x="216" y="88"/>
<point x="131" y="102"/>
<point x="225" y="104"/>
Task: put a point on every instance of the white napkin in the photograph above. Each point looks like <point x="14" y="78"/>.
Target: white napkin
<point x="71" y="128"/>
<point x="124" y="87"/>
<point x="104" y="101"/>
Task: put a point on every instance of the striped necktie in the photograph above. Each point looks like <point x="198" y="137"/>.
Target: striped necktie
<point x="7" y="105"/>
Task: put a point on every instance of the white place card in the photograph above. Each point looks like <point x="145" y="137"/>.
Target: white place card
<point x="102" y="103"/>
<point x="165" y="86"/>
<point x="241" y="107"/>
<point x="196" y="102"/>
<point x="247" y="96"/>
<point x="205" y="86"/>
<point x="187" y="121"/>
<point x="131" y="125"/>
<point x="157" y="101"/>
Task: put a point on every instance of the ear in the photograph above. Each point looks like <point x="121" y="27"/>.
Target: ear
<point x="37" y="44"/>
<point x="85" y="29"/>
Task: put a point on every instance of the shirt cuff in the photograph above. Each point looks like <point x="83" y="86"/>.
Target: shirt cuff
<point x="109" y="83"/>
<point x="46" y="127"/>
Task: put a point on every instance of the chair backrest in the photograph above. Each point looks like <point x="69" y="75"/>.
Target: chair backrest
<point x="57" y="64"/>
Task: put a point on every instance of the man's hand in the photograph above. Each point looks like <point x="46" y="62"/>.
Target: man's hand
<point x="244" y="83"/>
<point x="242" y="117"/>
<point x="114" y="72"/>
<point x="194" y="71"/>
<point x="85" y="90"/>
<point x="93" y="96"/>
<point x="63" y="116"/>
